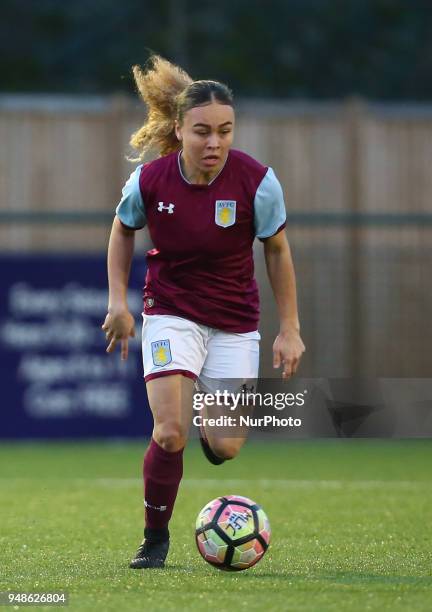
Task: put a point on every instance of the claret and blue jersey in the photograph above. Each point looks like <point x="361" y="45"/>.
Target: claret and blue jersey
<point x="201" y="267"/>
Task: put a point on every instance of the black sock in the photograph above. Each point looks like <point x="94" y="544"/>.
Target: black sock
<point x="156" y="536"/>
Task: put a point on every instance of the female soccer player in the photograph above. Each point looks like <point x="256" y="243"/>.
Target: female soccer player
<point x="204" y="203"/>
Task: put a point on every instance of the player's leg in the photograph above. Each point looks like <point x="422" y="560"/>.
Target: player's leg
<point x="173" y="353"/>
<point x="231" y="365"/>
<point x="223" y="441"/>
<point x="170" y="399"/>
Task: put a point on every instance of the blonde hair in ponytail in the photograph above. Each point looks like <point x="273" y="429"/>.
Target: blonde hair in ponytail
<point x="159" y="85"/>
<point x="169" y="92"/>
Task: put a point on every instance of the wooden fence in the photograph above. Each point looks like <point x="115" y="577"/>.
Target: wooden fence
<point x="363" y="282"/>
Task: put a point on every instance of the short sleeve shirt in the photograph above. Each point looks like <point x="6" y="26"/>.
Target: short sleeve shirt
<point x="201" y="267"/>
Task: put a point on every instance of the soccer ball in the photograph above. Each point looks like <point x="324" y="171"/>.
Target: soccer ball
<point x="232" y="533"/>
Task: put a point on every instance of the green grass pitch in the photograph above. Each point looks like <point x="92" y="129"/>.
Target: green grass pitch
<point x="351" y="523"/>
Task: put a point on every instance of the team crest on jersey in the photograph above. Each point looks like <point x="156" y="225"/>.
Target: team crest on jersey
<point x="225" y="212"/>
<point x="161" y="352"/>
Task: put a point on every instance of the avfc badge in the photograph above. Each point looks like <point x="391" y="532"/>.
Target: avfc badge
<point x="225" y="212"/>
<point x="161" y="352"/>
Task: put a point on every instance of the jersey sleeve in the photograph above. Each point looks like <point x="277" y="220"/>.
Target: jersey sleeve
<point x="269" y="207"/>
<point x="130" y="209"/>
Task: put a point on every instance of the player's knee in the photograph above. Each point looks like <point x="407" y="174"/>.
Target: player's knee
<point x="170" y="437"/>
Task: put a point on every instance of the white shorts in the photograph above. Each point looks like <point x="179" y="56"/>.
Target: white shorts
<point x="215" y="359"/>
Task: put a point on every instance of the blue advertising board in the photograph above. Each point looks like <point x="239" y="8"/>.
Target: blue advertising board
<point x="57" y="380"/>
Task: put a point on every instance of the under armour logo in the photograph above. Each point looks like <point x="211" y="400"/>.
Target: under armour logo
<point x="169" y="208"/>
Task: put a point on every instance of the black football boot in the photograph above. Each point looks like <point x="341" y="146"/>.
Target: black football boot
<point x="153" y="550"/>
<point x="214" y="459"/>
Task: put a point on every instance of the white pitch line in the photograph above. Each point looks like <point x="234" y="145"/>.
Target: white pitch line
<point x="295" y="483"/>
<point x="291" y="483"/>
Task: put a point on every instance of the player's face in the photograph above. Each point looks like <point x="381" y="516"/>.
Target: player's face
<point x="206" y="134"/>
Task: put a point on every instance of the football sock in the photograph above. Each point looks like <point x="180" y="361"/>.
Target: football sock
<point x="162" y="473"/>
<point x="156" y="535"/>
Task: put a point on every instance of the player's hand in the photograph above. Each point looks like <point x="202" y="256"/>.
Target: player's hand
<point x="287" y="351"/>
<point x="119" y="326"/>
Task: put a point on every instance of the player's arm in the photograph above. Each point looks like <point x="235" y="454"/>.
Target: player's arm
<point x="120" y="254"/>
<point x="288" y="346"/>
<point x="119" y="324"/>
<point x="280" y="270"/>
<point x="270" y="219"/>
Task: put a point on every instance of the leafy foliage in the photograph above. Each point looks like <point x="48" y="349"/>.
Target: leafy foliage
<point x="283" y="48"/>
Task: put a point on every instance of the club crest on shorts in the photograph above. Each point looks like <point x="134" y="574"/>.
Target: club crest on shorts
<point x="225" y="212"/>
<point x="161" y="352"/>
